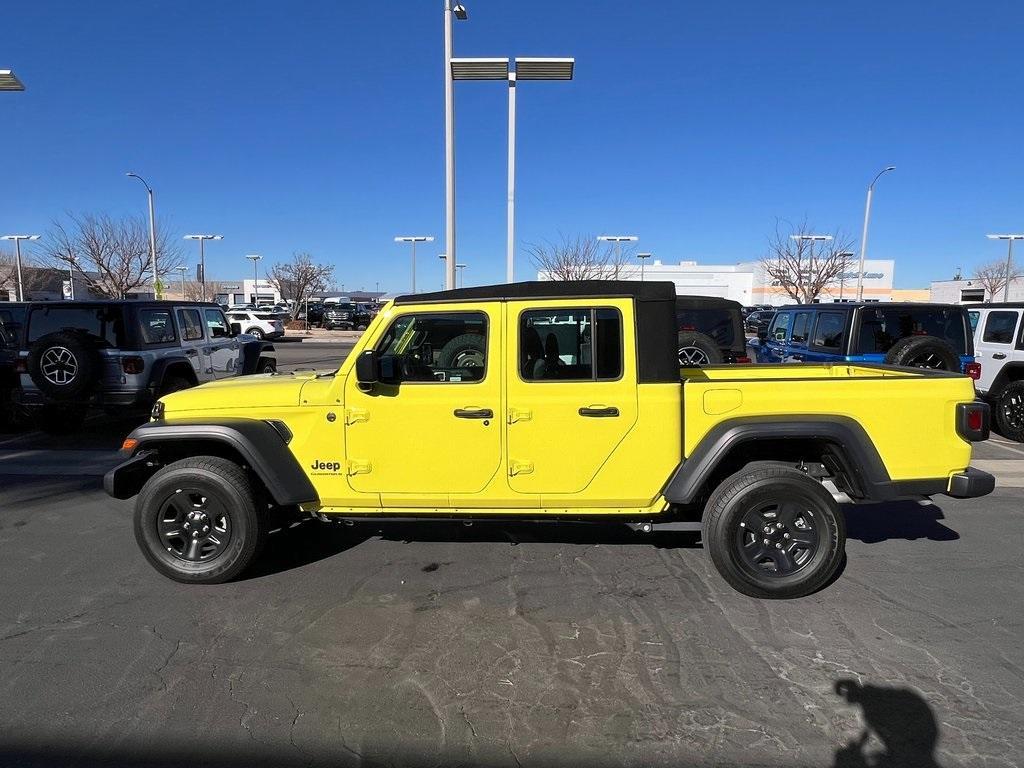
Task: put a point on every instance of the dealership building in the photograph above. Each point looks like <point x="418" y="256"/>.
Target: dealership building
<point x="748" y="284"/>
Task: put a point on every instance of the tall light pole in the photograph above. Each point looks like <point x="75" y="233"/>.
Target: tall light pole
<point x="812" y="239"/>
<point x="253" y="257"/>
<point x="202" y="257"/>
<point x="461" y="267"/>
<point x="152" y="233"/>
<point x="864" y="234"/>
<point x="182" y="270"/>
<point x="525" y="69"/>
<point x="9" y="81"/>
<point x="444" y="269"/>
<point x="1009" y="259"/>
<point x="643" y="257"/>
<point x="414" y="239"/>
<point x="618" y="240"/>
<point x="17" y="257"/>
<point x="459" y="11"/>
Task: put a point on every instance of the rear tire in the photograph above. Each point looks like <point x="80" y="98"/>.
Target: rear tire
<point x="173" y="383"/>
<point x="204" y="495"/>
<point x="266" y="365"/>
<point x="1009" y="411"/>
<point x="256" y="332"/>
<point x="792" y="539"/>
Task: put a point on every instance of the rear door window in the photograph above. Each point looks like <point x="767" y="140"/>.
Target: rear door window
<point x="216" y="325"/>
<point x="191" y="324"/>
<point x="828" y="331"/>
<point x="801" y="327"/>
<point x="713" y="322"/>
<point x="881" y="327"/>
<point x="999" y="327"/>
<point x="570" y="345"/>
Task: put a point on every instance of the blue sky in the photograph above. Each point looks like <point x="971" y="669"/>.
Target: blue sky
<point x="318" y="126"/>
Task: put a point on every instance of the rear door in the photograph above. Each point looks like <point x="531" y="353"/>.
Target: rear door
<point x="995" y="336"/>
<point x="221" y="347"/>
<point x="191" y="324"/>
<point x="827" y="339"/>
<point x="572" y="392"/>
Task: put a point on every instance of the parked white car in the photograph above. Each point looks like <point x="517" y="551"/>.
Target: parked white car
<point x="262" y="325"/>
<point x="999" y="347"/>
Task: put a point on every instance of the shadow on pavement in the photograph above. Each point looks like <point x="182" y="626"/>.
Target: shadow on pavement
<point x="899" y="718"/>
<point x="873" y="523"/>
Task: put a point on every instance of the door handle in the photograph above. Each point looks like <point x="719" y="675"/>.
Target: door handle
<point x="191" y="352"/>
<point x="998" y="355"/>
<point x="474" y="413"/>
<point x="796" y="357"/>
<point x="600" y="412"/>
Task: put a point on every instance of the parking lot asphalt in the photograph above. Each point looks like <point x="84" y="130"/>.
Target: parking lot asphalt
<point x="518" y="645"/>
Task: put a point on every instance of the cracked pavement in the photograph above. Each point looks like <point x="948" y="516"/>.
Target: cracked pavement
<point x="510" y="645"/>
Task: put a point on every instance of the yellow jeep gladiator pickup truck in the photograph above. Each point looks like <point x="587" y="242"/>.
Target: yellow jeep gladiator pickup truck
<point x="549" y="400"/>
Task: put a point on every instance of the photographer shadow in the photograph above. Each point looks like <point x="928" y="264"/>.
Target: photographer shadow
<point x="899" y="718"/>
<point x="874" y="523"/>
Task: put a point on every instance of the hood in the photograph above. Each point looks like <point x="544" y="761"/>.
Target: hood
<point x="265" y="390"/>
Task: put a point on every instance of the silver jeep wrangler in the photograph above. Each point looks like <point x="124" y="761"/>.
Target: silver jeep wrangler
<point x="125" y="354"/>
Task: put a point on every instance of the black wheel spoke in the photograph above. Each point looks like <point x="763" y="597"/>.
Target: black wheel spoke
<point x="778" y="538"/>
<point x="193" y="525"/>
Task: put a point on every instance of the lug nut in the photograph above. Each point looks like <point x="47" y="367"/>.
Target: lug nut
<point x="195" y="534"/>
<point x="778" y="546"/>
<point x="767" y="529"/>
<point x="767" y="542"/>
<point x="206" y="528"/>
<point x="785" y="535"/>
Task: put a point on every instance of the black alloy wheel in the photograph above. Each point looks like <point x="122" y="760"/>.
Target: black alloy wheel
<point x="1008" y="411"/>
<point x="193" y="526"/>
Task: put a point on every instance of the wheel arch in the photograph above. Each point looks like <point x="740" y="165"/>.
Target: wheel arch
<point x="1009" y="373"/>
<point x="259" y="446"/>
<point x="838" y="442"/>
<point x="172" y="365"/>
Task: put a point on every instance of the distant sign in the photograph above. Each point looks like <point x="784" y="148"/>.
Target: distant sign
<point x="66" y="289"/>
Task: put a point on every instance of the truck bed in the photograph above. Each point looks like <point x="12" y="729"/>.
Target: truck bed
<point x="895" y="406"/>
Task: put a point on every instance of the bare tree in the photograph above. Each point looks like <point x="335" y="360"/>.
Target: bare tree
<point x="111" y="255"/>
<point x="580" y="258"/>
<point x="992" y="277"/>
<point x="194" y="290"/>
<point x="300" y="278"/>
<point x="804" y="268"/>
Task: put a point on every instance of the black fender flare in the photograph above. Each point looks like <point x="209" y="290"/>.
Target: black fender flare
<point x="1010" y="372"/>
<point x="262" y="445"/>
<point x="859" y="458"/>
<point x="156" y="377"/>
<point x="251" y="353"/>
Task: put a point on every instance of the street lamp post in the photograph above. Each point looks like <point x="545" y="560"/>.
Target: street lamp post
<point x="461" y="267"/>
<point x="152" y="233"/>
<point x="844" y="255"/>
<point x="253" y="257"/>
<point x="182" y="270"/>
<point x="202" y="257"/>
<point x="812" y="239"/>
<point x="1009" y="259"/>
<point x="459" y="11"/>
<point x="444" y="269"/>
<point x="17" y="258"/>
<point x="498" y="69"/>
<point x="864" y="234"/>
<point x="643" y="258"/>
<point x="618" y="240"/>
<point x="414" y="239"/>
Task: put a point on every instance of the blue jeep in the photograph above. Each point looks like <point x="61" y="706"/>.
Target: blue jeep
<point x="915" y="335"/>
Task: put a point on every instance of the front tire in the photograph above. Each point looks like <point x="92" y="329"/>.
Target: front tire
<point x="256" y="332"/>
<point x="774" y="532"/>
<point x="196" y="521"/>
<point x="1009" y="411"/>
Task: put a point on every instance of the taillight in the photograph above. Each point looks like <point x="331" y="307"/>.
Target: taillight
<point x="973" y="370"/>
<point x="132" y="364"/>
<point x="972" y="421"/>
<point x="21" y="366"/>
<point x="743" y="359"/>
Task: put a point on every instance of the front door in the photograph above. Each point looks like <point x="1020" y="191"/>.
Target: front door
<point x="571" y="394"/>
<point x="995" y="343"/>
<point x="773" y="348"/>
<point x="435" y="428"/>
<point x="221" y="348"/>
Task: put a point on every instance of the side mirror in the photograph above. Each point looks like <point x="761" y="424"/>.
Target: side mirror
<point x="236" y="329"/>
<point x="763" y="335"/>
<point x="368" y="368"/>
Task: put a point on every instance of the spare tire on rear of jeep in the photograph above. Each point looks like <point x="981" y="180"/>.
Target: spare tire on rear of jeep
<point x="465" y="351"/>
<point x="697" y="349"/>
<point x="924" y="352"/>
<point x="63" y="365"/>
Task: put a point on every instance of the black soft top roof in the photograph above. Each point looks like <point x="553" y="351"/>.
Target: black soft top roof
<point x="706" y="302"/>
<point x="851" y="306"/>
<point x="654" y="290"/>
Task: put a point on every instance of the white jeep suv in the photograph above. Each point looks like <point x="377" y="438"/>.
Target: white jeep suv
<point x="999" y="347"/>
<point x="262" y="325"/>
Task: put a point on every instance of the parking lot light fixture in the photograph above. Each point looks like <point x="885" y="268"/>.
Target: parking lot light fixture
<point x="9" y="81"/>
<point x="461" y="268"/>
<point x="182" y="270"/>
<point x="864" y="234"/>
<point x="618" y="240"/>
<point x="1009" y="259"/>
<point x="845" y="256"/>
<point x="152" y="232"/>
<point x="458" y="10"/>
<point x="414" y="239"/>
<point x="202" y="257"/>
<point x="643" y="258"/>
<point x="17" y="258"/>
